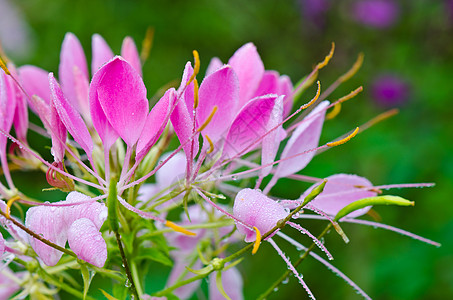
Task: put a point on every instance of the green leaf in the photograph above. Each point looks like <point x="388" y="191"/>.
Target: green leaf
<point x="86" y="279"/>
<point x="120" y="291"/>
<point x="218" y="282"/>
<point x="379" y="200"/>
<point x="314" y="193"/>
<point x="154" y="254"/>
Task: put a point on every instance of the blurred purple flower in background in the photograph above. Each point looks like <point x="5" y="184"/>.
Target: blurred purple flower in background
<point x="375" y="13"/>
<point x="313" y="11"/>
<point x="390" y="90"/>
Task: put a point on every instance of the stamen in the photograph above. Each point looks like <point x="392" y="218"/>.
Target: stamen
<point x="9" y="204"/>
<point x="196" y="67"/>
<point x="318" y="92"/>
<point x="195" y="93"/>
<point x="350" y="95"/>
<point x="179" y="228"/>
<point x="335" y="111"/>
<point x="3" y="66"/>
<point x="346" y="139"/>
<point x="327" y="59"/>
<point x="147" y="44"/>
<point x="257" y="243"/>
<point x="355" y="67"/>
<point x="208" y="120"/>
<point x="380" y="118"/>
<point x="211" y="145"/>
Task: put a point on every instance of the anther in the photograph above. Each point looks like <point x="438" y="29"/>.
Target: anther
<point x="355" y="67"/>
<point x="257" y="243"/>
<point x="346" y="139"/>
<point x="179" y="228"/>
<point x="335" y="111"/>
<point x="327" y="59"/>
<point x="211" y="145"/>
<point x="147" y="44"/>
<point x="195" y="93"/>
<point x="9" y="204"/>
<point x="3" y="66"/>
<point x="318" y="92"/>
<point x="196" y="67"/>
<point x="209" y="119"/>
<point x="350" y="95"/>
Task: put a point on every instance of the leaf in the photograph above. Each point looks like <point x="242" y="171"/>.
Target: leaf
<point x="107" y="295"/>
<point x="379" y="200"/>
<point x="218" y="281"/>
<point x="86" y="279"/>
<point x="154" y="254"/>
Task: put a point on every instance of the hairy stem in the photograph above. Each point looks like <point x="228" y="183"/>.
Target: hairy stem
<point x="126" y="265"/>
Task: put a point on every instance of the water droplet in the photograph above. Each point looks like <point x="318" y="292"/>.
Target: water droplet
<point x="234" y="177"/>
<point x="128" y="283"/>
<point x="286" y="280"/>
<point x="275" y="289"/>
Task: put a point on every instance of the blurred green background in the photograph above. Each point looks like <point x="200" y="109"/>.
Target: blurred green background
<point x="414" y="146"/>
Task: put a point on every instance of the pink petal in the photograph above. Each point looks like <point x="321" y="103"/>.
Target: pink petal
<point x="185" y="291"/>
<point x="188" y="94"/>
<point x="232" y="283"/>
<point x="81" y="89"/>
<point x="271" y="142"/>
<point x="255" y="209"/>
<point x="2" y="245"/>
<point x="249" y="68"/>
<point x="269" y="84"/>
<point x="250" y="124"/>
<point x="47" y="222"/>
<point x="130" y="54"/>
<point x="155" y="123"/>
<point x="70" y="117"/>
<point x="305" y="137"/>
<point x="101" y="52"/>
<point x="94" y="211"/>
<point x="286" y="88"/>
<point x="184" y="129"/>
<point x="121" y="94"/>
<point x="341" y="190"/>
<point x="8" y="286"/>
<point x="213" y="66"/>
<point x="87" y="243"/>
<point x="20" y="120"/>
<point x="7" y="108"/>
<point x="72" y="56"/>
<point x="221" y="88"/>
<point x="36" y="82"/>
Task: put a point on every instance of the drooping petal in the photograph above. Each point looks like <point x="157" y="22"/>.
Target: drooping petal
<point x="71" y="57"/>
<point x="305" y="137"/>
<point x="249" y="68"/>
<point x="70" y="117"/>
<point x="94" y="211"/>
<point x="255" y="209"/>
<point x="36" y="82"/>
<point x="249" y="125"/>
<point x="341" y="190"/>
<point x="213" y="66"/>
<point x="220" y="89"/>
<point x="130" y="54"/>
<point x="232" y="283"/>
<point x="271" y="142"/>
<point x="121" y="94"/>
<point x="155" y="123"/>
<point x="47" y="222"/>
<point x="87" y="243"/>
<point x="101" y="52"/>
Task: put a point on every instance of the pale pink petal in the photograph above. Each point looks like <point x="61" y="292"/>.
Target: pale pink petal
<point x="101" y="52"/>
<point x="70" y="117"/>
<point x="8" y="286"/>
<point x="94" y="211"/>
<point x="121" y="94"/>
<point x="232" y="283"/>
<point x="20" y="120"/>
<point x="249" y="68"/>
<point x="172" y="171"/>
<point x="155" y="123"/>
<point x="249" y="125"/>
<point x="341" y="190"/>
<point x="184" y="129"/>
<point x="2" y="245"/>
<point x="7" y="110"/>
<point x="87" y="243"/>
<point x="49" y="223"/>
<point x="81" y="89"/>
<point x="35" y="81"/>
<point x="305" y="137"/>
<point x="271" y="141"/>
<point x="179" y="266"/>
<point x="255" y="209"/>
<point x="72" y="56"/>
<point x="286" y="88"/>
<point x="130" y="54"/>
<point x="213" y="66"/>
<point x="220" y="89"/>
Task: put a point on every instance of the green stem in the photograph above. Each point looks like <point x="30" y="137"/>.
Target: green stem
<point x="298" y="262"/>
<point x="135" y="275"/>
<point x="181" y="283"/>
<point x="126" y="265"/>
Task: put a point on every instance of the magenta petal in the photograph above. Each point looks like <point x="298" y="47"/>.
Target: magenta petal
<point x="21" y="115"/>
<point x="269" y="84"/>
<point x="7" y="107"/>
<point x="87" y="243"/>
<point x="70" y="117"/>
<point x="213" y="66"/>
<point x="232" y="283"/>
<point x="305" y="137"/>
<point x="255" y="209"/>
<point x="49" y="223"/>
<point x="121" y="93"/>
<point x="271" y="141"/>
<point x="249" y="68"/>
<point x="155" y="123"/>
<point x="250" y="124"/>
<point x="101" y="52"/>
<point x="188" y="94"/>
<point x="130" y="54"/>
<point x="220" y="89"/>
<point x="2" y="245"/>
<point x="36" y="82"/>
<point x="286" y="88"/>
<point x="341" y="190"/>
<point x="72" y="56"/>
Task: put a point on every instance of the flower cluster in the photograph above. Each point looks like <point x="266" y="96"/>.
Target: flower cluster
<point x="133" y="197"/>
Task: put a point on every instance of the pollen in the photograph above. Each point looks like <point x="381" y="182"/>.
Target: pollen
<point x="3" y="66"/>
<point x="209" y="119"/>
<point x="147" y="44"/>
<point x="257" y="243"/>
<point x="335" y="111"/>
<point x="355" y="67"/>
<point x="351" y="95"/>
<point x="318" y="92"/>
<point x="9" y="204"/>
<point x="179" y="228"/>
<point x="346" y="139"/>
<point x="195" y="93"/>
<point x="211" y="145"/>
<point x="327" y="58"/>
<point x="196" y="67"/>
